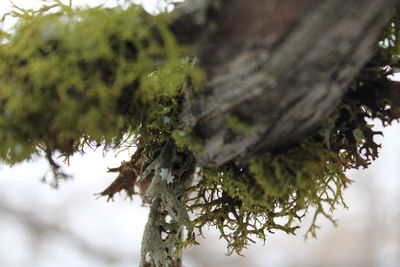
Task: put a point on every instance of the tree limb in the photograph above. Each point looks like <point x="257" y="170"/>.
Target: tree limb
<point x="282" y="66"/>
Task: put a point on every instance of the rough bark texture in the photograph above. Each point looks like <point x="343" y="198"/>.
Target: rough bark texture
<point x="281" y="66"/>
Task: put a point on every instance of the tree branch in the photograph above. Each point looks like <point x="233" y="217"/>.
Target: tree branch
<point x="281" y="66"/>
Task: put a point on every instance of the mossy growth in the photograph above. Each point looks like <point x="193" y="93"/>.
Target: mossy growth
<point x="76" y="77"/>
<point x="271" y="192"/>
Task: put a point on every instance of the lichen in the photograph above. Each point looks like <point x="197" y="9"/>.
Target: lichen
<point x="168" y="214"/>
<point x="271" y="192"/>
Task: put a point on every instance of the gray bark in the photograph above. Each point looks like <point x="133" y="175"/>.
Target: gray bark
<point x="282" y="66"/>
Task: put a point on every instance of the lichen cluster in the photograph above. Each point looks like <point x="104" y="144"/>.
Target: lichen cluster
<point x="271" y="192"/>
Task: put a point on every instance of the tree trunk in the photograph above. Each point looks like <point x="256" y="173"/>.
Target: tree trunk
<point x="280" y="66"/>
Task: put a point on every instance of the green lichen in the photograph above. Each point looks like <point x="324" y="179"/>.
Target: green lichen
<point x="271" y="192"/>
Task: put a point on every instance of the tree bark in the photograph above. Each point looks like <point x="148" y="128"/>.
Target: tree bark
<point x="281" y="66"/>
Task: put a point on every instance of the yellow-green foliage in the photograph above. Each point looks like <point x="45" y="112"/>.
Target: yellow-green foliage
<point x="272" y="192"/>
<point x="73" y="77"/>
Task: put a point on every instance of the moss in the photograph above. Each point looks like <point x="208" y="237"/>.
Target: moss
<point x="93" y="75"/>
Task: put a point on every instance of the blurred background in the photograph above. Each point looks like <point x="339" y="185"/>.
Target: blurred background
<point x="43" y="227"/>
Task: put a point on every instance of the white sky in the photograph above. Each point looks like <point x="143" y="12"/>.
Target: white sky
<point x="5" y="5"/>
